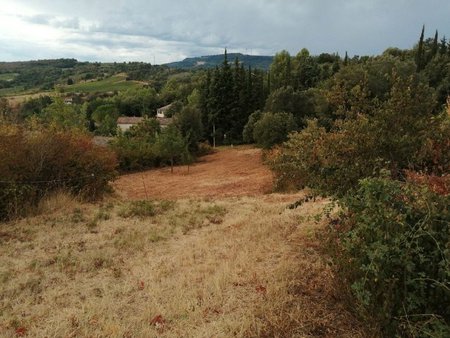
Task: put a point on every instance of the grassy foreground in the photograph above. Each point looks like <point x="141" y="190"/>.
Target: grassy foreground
<point x="243" y="267"/>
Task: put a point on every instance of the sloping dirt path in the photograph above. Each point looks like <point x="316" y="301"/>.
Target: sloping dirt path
<point x="236" y="171"/>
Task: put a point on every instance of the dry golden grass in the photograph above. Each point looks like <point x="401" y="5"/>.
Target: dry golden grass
<point x="234" y="267"/>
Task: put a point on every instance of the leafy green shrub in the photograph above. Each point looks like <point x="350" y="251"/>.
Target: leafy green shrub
<point x="288" y="100"/>
<point x="204" y="148"/>
<point x="35" y="162"/>
<point x="172" y="146"/>
<point x="189" y="122"/>
<point x="329" y="162"/>
<point x="146" y="146"/>
<point x="396" y="254"/>
<point x="138" y="209"/>
<point x="361" y="145"/>
<point x="145" y="208"/>
<point x="247" y="133"/>
<point x="273" y="128"/>
<point x="135" y="153"/>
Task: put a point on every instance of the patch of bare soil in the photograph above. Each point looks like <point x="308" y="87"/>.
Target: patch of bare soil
<point x="237" y="171"/>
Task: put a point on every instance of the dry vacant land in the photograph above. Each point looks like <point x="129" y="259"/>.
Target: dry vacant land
<point x="226" y="259"/>
<point x="229" y="172"/>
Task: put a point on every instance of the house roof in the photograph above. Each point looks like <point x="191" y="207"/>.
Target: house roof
<point x="129" y="120"/>
<point x="164" y="121"/>
<point x="165" y="108"/>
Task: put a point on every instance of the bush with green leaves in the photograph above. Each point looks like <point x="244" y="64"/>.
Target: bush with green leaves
<point x="59" y="115"/>
<point x="247" y="133"/>
<point x="136" y="147"/>
<point x="135" y="153"/>
<point x="105" y="117"/>
<point x="172" y="146"/>
<point x="189" y="122"/>
<point x="403" y="133"/>
<point x="147" y="146"/>
<point x="286" y="99"/>
<point x="395" y="247"/>
<point x="273" y="128"/>
<point x="329" y="162"/>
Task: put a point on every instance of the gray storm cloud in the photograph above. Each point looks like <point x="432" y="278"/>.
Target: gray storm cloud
<point x="184" y="28"/>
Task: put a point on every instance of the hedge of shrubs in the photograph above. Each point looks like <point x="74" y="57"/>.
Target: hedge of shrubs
<point x="395" y="253"/>
<point x="36" y="161"/>
<point x="390" y="172"/>
<point x="146" y="145"/>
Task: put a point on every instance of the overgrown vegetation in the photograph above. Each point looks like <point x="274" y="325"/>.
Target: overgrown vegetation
<point x="144" y="208"/>
<point x="394" y="251"/>
<point x="379" y="144"/>
<point x="37" y="161"/>
<point x="147" y="146"/>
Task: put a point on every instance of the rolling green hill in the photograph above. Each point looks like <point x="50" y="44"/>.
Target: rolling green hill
<point x="117" y="82"/>
<point x="211" y="61"/>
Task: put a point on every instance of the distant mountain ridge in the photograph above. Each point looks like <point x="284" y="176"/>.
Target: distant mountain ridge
<point x="211" y="61"/>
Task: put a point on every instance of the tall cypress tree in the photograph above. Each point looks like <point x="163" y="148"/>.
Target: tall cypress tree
<point x="223" y="97"/>
<point x="420" y="56"/>
<point x="237" y="107"/>
<point x="346" y="59"/>
<point x="443" y="46"/>
<point x="434" y="48"/>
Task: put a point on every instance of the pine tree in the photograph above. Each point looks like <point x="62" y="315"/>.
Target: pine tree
<point x="249" y="89"/>
<point x="420" y="60"/>
<point x="346" y="59"/>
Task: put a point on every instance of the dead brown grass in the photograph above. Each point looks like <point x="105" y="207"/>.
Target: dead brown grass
<point x="220" y="259"/>
<point x="16" y="100"/>
<point x="229" y="172"/>
<point x="234" y="267"/>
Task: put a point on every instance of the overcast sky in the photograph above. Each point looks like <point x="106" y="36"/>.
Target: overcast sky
<point x="170" y="30"/>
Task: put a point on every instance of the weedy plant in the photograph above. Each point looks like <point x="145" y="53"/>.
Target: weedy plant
<point x="393" y="247"/>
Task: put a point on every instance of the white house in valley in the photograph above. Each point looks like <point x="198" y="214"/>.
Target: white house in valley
<point x="161" y="112"/>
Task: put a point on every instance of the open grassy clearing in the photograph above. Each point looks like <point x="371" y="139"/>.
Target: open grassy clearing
<point x="8" y="76"/>
<point x="11" y="91"/>
<point x="110" y="84"/>
<point x="15" y="100"/>
<point x="227" y="259"/>
<point x="243" y="266"/>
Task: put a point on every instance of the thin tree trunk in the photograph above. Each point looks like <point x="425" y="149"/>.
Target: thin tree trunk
<point x="214" y="135"/>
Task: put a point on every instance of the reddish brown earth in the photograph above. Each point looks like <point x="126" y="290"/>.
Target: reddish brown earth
<point x="237" y="171"/>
